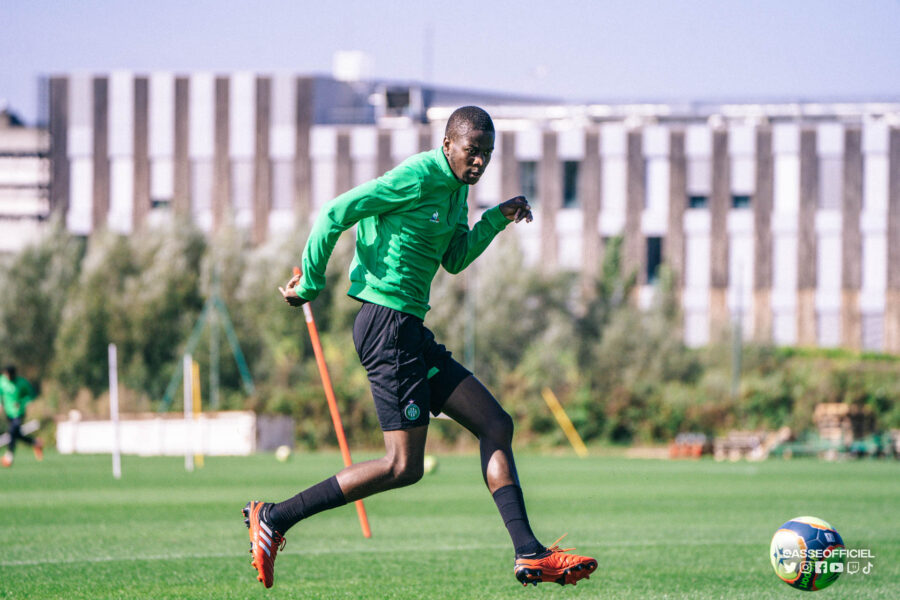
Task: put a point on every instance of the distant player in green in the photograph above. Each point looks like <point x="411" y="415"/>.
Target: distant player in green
<point x="411" y="221"/>
<point x="17" y="393"/>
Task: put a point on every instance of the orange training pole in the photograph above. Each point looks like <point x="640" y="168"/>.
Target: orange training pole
<point x="332" y="406"/>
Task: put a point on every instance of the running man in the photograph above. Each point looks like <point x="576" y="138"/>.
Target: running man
<point x="17" y="393"/>
<point x="411" y="221"/>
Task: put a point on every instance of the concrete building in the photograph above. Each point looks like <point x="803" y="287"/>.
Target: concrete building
<point x="24" y="182"/>
<point x="787" y="214"/>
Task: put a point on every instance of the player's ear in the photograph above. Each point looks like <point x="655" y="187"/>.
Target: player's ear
<point x="446" y="144"/>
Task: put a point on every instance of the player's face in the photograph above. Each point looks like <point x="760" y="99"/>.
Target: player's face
<point x="469" y="154"/>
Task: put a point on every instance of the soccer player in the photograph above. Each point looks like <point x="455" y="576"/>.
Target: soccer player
<point x="17" y="393"/>
<point x="411" y="221"/>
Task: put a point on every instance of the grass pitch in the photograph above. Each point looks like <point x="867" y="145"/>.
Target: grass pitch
<point x="659" y="529"/>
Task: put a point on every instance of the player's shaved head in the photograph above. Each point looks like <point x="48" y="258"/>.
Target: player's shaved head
<point x="466" y="119"/>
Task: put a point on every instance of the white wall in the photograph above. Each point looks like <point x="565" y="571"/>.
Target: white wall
<point x="212" y="434"/>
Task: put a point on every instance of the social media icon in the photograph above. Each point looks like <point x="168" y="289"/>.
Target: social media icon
<point x="852" y="567"/>
<point x="868" y="568"/>
<point x="837" y="567"/>
<point x="821" y="566"/>
<point x="806" y="567"/>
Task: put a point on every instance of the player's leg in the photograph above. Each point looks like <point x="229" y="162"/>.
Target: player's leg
<point x="459" y="395"/>
<point x="14" y="434"/>
<point x="400" y="466"/>
<point x="473" y="406"/>
<point x="37" y="446"/>
<point x="35" y="443"/>
<point x="390" y="345"/>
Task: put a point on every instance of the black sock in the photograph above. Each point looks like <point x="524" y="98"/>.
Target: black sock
<point x="511" y="504"/>
<point x="322" y="496"/>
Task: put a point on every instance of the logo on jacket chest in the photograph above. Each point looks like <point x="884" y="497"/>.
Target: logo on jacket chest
<point x="435" y="218"/>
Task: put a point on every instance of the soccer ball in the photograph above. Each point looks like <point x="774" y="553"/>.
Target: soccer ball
<point x="429" y="463"/>
<point x="803" y="553"/>
<point x="282" y="453"/>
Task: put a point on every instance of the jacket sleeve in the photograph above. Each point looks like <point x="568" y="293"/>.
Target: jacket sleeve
<point x="387" y="193"/>
<point x="26" y="393"/>
<point x="467" y="244"/>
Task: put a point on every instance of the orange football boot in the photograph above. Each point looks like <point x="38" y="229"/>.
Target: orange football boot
<point x="554" y="565"/>
<point x="38" y="449"/>
<point x="265" y="543"/>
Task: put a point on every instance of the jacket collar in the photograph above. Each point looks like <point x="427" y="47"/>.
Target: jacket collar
<point x="450" y="179"/>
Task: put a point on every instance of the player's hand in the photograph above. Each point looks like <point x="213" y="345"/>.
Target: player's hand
<point x="516" y="209"/>
<point x="288" y="293"/>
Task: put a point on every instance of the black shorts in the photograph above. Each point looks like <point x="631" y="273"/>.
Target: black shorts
<point x="409" y="372"/>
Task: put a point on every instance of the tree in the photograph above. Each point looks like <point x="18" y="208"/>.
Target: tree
<point x="36" y="285"/>
<point x="140" y="292"/>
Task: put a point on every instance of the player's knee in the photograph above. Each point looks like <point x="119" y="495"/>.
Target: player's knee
<point x="501" y="429"/>
<point x="407" y="472"/>
<point x="404" y="469"/>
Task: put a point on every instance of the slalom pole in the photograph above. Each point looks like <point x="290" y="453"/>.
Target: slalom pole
<point x="564" y="422"/>
<point x="198" y="411"/>
<point x="332" y="406"/>
<point x="114" y="411"/>
<point x="188" y="413"/>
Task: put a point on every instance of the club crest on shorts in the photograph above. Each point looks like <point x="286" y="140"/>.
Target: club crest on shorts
<point x="411" y="411"/>
<point x="435" y="218"/>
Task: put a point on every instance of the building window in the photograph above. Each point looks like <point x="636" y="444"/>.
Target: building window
<point x="160" y="202"/>
<point x="397" y="100"/>
<point x="528" y="183"/>
<point x="698" y="201"/>
<point x="654" y="258"/>
<point x="740" y="201"/>
<point x="570" y="184"/>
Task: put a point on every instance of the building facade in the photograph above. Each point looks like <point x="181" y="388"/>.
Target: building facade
<point x="785" y="216"/>
<point x="24" y="182"/>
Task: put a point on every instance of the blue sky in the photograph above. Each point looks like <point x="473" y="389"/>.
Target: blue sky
<point x="574" y="50"/>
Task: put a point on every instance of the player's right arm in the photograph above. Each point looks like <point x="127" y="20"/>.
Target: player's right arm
<point x="389" y="192"/>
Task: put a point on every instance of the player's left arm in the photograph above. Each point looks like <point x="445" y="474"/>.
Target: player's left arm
<point x="29" y="390"/>
<point x="26" y="393"/>
<point x="467" y="245"/>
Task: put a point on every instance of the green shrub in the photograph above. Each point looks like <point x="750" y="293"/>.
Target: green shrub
<point x="622" y="374"/>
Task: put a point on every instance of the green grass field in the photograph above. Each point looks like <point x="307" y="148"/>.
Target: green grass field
<point x="659" y="529"/>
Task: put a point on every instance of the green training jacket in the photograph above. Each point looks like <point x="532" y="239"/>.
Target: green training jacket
<point x="16" y="395"/>
<point x="412" y="220"/>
